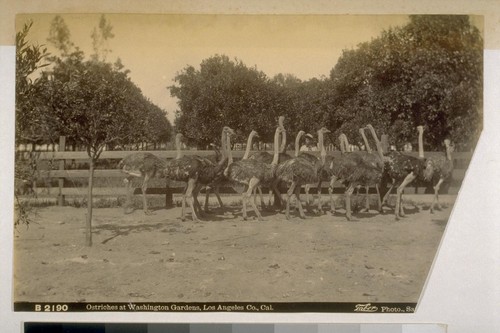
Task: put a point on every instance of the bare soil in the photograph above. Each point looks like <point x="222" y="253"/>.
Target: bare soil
<point x="159" y="258"/>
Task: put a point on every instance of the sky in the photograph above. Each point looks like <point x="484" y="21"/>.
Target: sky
<point x="155" y="47"/>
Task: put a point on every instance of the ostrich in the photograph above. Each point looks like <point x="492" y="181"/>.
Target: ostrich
<point x="252" y="173"/>
<point x="267" y="158"/>
<point x="195" y="171"/>
<point x="145" y="165"/>
<point x="367" y="157"/>
<point x="442" y="170"/>
<point x="214" y="159"/>
<point x="402" y="169"/>
<point x="356" y="169"/>
<point x="299" y="171"/>
<point x="376" y="159"/>
<point x="311" y="159"/>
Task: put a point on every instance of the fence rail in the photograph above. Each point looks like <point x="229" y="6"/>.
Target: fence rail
<point x="66" y="177"/>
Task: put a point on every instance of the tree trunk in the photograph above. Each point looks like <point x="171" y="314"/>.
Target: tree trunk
<point x="88" y="229"/>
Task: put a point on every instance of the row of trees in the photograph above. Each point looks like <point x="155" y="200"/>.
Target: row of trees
<point x="428" y="72"/>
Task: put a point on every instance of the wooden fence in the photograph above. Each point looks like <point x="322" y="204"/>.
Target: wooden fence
<point x="68" y="178"/>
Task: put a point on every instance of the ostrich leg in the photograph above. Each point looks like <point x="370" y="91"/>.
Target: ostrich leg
<point x="348" y="194"/>
<point x="299" y="203"/>
<point x="399" y="211"/>
<point x="435" y="200"/>
<point x="330" y="193"/>
<point x="288" y="198"/>
<point x="183" y="211"/>
<point x="387" y="194"/>
<point x="379" y="202"/>
<point x="144" y="200"/>
<point x="320" y="207"/>
<point x="128" y="208"/>
<point x="207" y="194"/>
<point x="307" y="188"/>
<point x="252" y="184"/>
<point x="189" y="198"/>
<point x="367" y="202"/>
<point x="217" y="195"/>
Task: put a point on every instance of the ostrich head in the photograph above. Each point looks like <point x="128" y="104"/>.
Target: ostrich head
<point x="324" y="130"/>
<point x="228" y="130"/>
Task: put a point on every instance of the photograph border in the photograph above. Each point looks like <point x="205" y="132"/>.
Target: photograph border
<point x="438" y="296"/>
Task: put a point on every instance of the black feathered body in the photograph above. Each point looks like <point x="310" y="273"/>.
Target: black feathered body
<point x="142" y="163"/>
<point x="357" y="168"/>
<point x="398" y="166"/>
<point x="267" y="157"/>
<point x="442" y="168"/>
<point x="299" y="170"/>
<point x="244" y="170"/>
<point x="194" y="167"/>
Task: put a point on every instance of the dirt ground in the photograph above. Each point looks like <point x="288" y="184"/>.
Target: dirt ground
<point x="159" y="258"/>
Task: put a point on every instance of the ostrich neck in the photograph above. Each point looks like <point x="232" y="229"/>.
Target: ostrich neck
<point x="223" y="160"/>
<point x="283" y="142"/>
<point x="321" y="147"/>
<point x="297" y="143"/>
<point x="365" y="139"/>
<point x="448" y="152"/>
<point x="421" y="144"/>
<point x="377" y="143"/>
<point x="228" y="149"/>
<point x="276" y="148"/>
<point x="222" y="142"/>
<point x="249" y="145"/>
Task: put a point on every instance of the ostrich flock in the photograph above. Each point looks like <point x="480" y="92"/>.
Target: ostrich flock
<point x="354" y="169"/>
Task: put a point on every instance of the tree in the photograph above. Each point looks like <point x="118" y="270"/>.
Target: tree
<point x="100" y="38"/>
<point x="428" y="72"/>
<point x="223" y="93"/>
<point x="95" y="104"/>
<point x="31" y="125"/>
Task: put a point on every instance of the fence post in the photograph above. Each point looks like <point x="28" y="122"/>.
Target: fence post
<point x="62" y="147"/>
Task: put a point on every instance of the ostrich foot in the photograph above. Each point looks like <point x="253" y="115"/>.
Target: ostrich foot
<point x="149" y="212"/>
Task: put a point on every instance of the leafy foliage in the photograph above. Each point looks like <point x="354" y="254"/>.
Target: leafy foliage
<point x="428" y="72"/>
<point x="31" y="125"/>
<point x="223" y="93"/>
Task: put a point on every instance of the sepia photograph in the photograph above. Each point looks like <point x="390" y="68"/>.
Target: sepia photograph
<point x="248" y="163"/>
